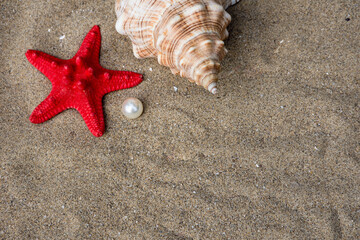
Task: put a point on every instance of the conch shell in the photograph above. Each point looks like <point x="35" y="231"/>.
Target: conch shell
<point x="185" y="35"/>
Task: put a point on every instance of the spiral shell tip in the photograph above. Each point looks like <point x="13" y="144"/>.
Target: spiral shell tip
<point x="212" y="88"/>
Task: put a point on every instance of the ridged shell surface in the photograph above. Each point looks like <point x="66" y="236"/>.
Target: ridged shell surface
<point x="185" y="35"/>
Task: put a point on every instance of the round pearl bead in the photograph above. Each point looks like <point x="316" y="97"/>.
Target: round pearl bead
<point x="132" y="108"/>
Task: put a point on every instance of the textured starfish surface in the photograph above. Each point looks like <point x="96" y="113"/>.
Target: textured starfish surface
<point x="79" y="83"/>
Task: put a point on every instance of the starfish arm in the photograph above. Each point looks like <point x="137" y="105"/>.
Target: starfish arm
<point x="45" y="63"/>
<point x="51" y="106"/>
<point x="117" y="80"/>
<point x="90" y="48"/>
<point x="79" y="83"/>
<point x="91" y="110"/>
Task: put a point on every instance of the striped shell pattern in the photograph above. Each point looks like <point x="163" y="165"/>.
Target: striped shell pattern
<point x="184" y="35"/>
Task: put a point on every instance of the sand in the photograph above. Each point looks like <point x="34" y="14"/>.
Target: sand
<point x="275" y="155"/>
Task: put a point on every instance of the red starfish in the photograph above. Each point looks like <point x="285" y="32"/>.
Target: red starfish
<point x="79" y="83"/>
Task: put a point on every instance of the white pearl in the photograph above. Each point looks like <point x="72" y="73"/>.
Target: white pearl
<point x="132" y="108"/>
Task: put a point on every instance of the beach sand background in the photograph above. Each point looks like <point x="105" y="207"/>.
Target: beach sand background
<point x="275" y="155"/>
